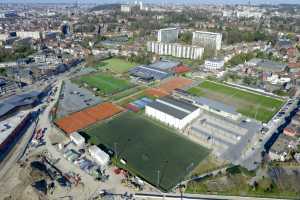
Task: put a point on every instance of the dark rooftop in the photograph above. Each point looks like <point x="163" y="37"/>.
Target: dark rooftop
<point x="174" y="107"/>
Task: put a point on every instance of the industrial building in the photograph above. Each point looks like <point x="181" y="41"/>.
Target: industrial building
<point x="167" y="35"/>
<point x="11" y="128"/>
<point x="175" y="113"/>
<point x="22" y="101"/>
<point x="99" y="156"/>
<point x="207" y="39"/>
<point x="175" y="50"/>
<point x="77" y="139"/>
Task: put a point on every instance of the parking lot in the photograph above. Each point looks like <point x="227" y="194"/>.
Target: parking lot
<point x="74" y="98"/>
<point x="228" y="139"/>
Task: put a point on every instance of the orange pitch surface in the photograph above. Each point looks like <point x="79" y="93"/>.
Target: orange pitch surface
<point x="87" y="117"/>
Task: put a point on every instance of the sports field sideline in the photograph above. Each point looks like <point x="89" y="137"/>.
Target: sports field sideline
<point x="252" y="105"/>
<point x="148" y="148"/>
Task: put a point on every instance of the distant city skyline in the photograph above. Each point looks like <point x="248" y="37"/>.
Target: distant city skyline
<point x="160" y="2"/>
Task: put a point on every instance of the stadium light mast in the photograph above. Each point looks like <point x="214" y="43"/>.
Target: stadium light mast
<point x="115" y="149"/>
<point x="158" y="172"/>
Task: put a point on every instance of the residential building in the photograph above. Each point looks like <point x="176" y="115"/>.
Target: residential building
<point x="207" y="39"/>
<point x="176" y="50"/>
<point x="167" y="35"/>
<point x="125" y="8"/>
<point x="214" y="64"/>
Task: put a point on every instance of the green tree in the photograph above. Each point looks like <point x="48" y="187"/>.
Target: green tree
<point x="186" y="37"/>
<point x="2" y="72"/>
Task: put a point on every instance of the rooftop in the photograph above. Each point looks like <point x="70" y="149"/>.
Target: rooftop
<point x="215" y="60"/>
<point x="215" y="105"/>
<point x="271" y="65"/>
<point x="8" y="126"/>
<point x="205" y="32"/>
<point x="18" y="100"/>
<point x="174" y="107"/>
<point x="164" y="64"/>
<point x="166" y="29"/>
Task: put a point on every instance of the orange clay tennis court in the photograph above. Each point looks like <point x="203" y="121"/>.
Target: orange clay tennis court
<point x="87" y="117"/>
<point x="167" y="87"/>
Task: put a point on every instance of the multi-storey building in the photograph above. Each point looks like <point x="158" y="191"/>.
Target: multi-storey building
<point x="207" y="39"/>
<point x="176" y="50"/>
<point x="167" y="35"/>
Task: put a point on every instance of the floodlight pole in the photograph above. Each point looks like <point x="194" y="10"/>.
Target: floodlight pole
<point x="115" y="149"/>
<point x="158" y="172"/>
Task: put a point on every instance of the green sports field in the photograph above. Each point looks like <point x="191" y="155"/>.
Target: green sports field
<point x="117" y="65"/>
<point x="106" y="84"/>
<point x="148" y="147"/>
<point x="250" y="104"/>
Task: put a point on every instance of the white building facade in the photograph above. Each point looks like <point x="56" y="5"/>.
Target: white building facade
<point x="174" y="113"/>
<point x="167" y="35"/>
<point x="100" y="157"/>
<point x="207" y="39"/>
<point x="214" y="64"/>
<point x="125" y="8"/>
<point x="32" y="34"/>
<point x="176" y="50"/>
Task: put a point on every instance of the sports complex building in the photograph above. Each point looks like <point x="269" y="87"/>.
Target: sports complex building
<point x="155" y="71"/>
<point x="173" y="112"/>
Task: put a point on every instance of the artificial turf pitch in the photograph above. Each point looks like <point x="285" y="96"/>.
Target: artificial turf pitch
<point x="150" y="149"/>
<point x="106" y="84"/>
<point x="256" y="106"/>
<point x="117" y="65"/>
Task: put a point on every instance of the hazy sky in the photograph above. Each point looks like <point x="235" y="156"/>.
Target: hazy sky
<point x="156" y="1"/>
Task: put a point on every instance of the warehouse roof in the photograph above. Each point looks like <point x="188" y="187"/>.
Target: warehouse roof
<point x="164" y="64"/>
<point x="18" y="100"/>
<point x="7" y="126"/>
<point x="148" y="73"/>
<point x="215" y="105"/>
<point x="179" y="103"/>
<point x="174" y="107"/>
<point x="268" y="65"/>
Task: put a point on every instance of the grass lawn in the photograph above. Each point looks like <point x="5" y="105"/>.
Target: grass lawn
<point x="117" y="65"/>
<point x="252" y="105"/>
<point x="149" y="147"/>
<point x="106" y="84"/>
<point x="238" y="185"/>
<point x="208" y="165"/>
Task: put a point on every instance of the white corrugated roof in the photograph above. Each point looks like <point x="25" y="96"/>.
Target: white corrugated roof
<point x="100" y="156"/>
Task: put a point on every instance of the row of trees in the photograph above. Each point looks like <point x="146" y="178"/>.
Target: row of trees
<point x="142" y="58"/>
<point x="239" y="59"/>
<point x="244" y="57"/>
<point x="234" y="35"/>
